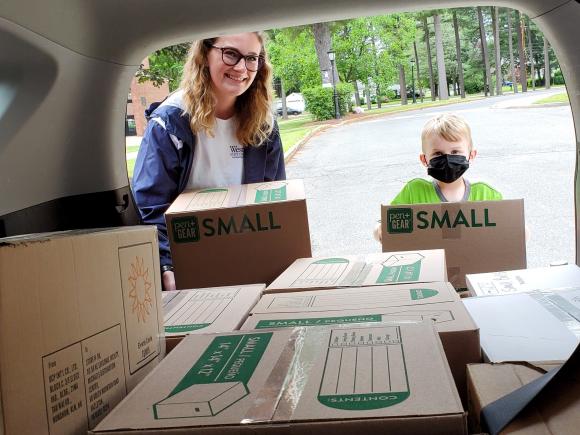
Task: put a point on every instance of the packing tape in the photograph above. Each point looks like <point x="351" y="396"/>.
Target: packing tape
<point x="284" y="386"/>
<point x="452" y="209"/>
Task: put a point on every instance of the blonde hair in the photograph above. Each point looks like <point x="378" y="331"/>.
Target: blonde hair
<point x="450" y="127"/>
<point x="254" y="118"/>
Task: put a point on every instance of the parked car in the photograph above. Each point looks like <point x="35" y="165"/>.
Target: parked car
<point x="290" y="110"/>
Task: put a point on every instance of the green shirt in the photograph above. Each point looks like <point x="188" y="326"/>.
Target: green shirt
<point x="420" y="191"/>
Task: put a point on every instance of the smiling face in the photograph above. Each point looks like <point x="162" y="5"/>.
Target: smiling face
<point x="437" y="146"/>
<point x="230" y="82"/>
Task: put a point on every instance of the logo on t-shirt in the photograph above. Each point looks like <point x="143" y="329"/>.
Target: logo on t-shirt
<point x="236" y="151"/>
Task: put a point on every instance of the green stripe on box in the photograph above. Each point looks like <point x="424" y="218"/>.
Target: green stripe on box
<point x="176" y="329"/>
<point x="318" y="321"/>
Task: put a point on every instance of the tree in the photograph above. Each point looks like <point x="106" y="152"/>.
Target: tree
<point x="510" y="39"/>
<point x="523" y="74"/>
<point x="486" y="72"/>
<point x="442" y="75"/>
<point x="322" y="43"/>
<point x="547" y="72"/>
<point x="165" y="65"/>
<point x="497" y="45"/>
<point x="418" y="70"/>
<point x="458" y="55"/>
<point x="531" y="53"/>
<point x="429" y="59"/>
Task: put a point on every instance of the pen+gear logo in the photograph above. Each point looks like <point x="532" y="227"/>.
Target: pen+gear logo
<point x="140" y="290"/>
<point x="399" y="220"/>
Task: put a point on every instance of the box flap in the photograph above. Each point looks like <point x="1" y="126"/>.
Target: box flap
<point x="238" y="196"/>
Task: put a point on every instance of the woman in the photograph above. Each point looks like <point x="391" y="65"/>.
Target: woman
<point x="216" y="130"/>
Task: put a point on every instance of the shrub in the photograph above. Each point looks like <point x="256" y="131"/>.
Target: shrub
<point x="473" y="84"/>
<point x="320" y="100"/>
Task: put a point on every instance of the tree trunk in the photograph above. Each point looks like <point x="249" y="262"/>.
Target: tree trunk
<point x="377" y="88"/>
<point x="532" y="68"/>
<point x="368" y="95"/>
<point x="283" y="97"/>
<point x="356" y="94"/>
<point x="418" y="71"/>
<point x="522" y="56"/>
<point x="547" y="72"/>
<point x="458" y="54"/>
<point x="403" y="85"/>
<point x="483" y="40"/>
<point x="511" y="49"/>
<point x="429" y="60"/>
<point x="321" y="33"/>
<point x="441" y="73"/>
<point x="496" y="44"/>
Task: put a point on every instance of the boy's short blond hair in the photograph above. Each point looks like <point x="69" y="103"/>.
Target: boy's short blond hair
<point x="450" y="127"/>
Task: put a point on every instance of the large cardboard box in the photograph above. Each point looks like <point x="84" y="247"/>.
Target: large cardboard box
<point x="525" y="280"/>
<point x="527" y="326"/>
<point x="364" y="270"/>
<point x="485" y="236"/>
<point x="438" y="302"/>
<point x="80" y="325"/>
<point x="359" y="379"/>
<point x="237" y="235"/>
<point x="489" y="382"/>
<point x="201" y="311"/>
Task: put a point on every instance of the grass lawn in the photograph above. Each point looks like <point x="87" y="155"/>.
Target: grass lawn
<point x="556" y="98"/>
<point x="294" y="129"/>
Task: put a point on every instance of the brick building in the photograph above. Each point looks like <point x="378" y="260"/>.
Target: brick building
<point x="141" y="95"/>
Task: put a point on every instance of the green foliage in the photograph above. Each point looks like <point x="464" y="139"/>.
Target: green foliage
<point x="320" y="100"/>
<point x="165" y="65"/>
<point x="473" y="83"/>
<point x="558" y="78"/>
<point x="293" y="56"/>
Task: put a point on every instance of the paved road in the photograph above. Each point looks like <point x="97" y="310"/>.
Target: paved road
<point x="524" y="151"/>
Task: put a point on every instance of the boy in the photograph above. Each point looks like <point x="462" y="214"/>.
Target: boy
<point x="447" y="150"/>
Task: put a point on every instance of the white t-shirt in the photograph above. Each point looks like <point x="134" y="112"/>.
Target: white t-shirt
<point x="217" y="161"/>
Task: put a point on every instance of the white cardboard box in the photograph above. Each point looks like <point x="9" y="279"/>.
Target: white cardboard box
<point x="523" y="327"/>
<point x="523" y="280"/>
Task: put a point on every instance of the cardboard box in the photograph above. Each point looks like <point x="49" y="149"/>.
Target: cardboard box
<point x="526" y="326"/>
<point x="486" y="236"/>
<point x="525" y="280"/>
<point x="489" y="382"/>
<point x="200" y="311"/>
<point x="80" y="325"/>
<point x="237" y="235"/>
<point x="432" y="301"/>
<point x="365" y="270"/>
<point x="363" y="379"/>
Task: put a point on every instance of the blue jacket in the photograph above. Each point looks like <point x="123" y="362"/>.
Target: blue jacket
<point x="163" y="166"/>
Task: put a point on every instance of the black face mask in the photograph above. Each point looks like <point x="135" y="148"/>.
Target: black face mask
<point x="448" y="167"/>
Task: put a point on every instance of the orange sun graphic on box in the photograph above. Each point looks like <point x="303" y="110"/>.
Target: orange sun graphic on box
<point x="140" y="289"/>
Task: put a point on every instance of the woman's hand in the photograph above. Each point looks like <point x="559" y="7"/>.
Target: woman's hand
<point x="168" y="280"/>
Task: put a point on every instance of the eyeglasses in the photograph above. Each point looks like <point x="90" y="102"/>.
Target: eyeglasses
<point x="232" y="57"/>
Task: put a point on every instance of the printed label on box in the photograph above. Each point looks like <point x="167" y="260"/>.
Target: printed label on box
<point x="364" y="369"/>
<point x="140" y="304"/>
<point x="271" y="192"/>
<point x="197" y="310"/>
<point x="217" y="380"/>
<point x="438" y="316"/>
<point x="83" y="382"/>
